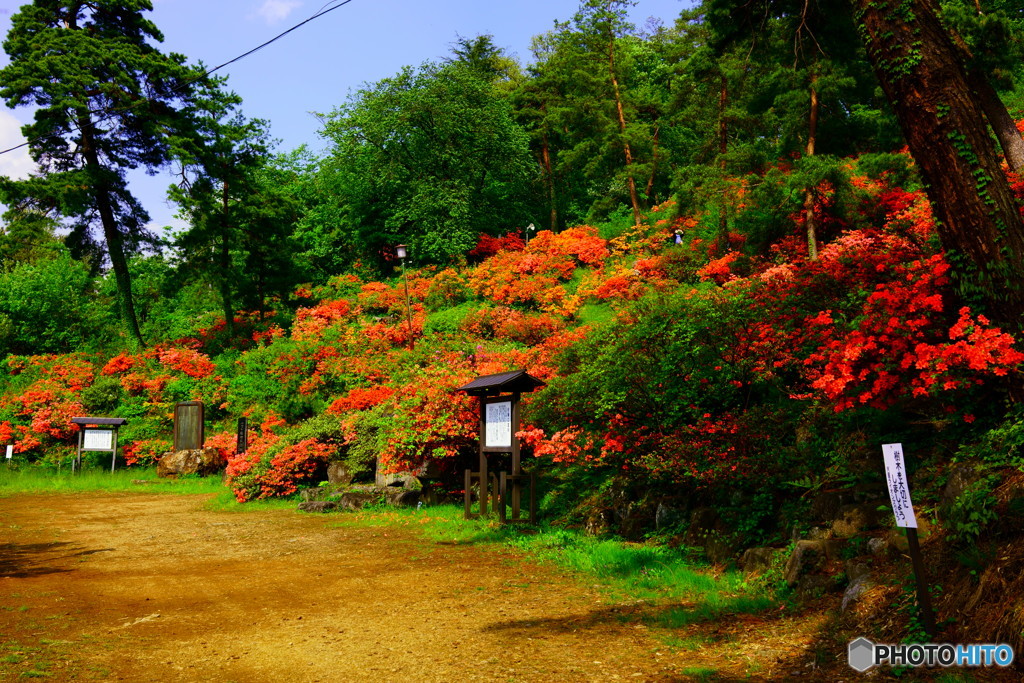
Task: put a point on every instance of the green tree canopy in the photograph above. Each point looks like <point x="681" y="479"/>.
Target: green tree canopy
<point x="106" y="100"/>
<point x="431" y="157"/>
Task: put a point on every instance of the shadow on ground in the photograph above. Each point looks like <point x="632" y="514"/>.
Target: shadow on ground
<point x="24" y="560"/>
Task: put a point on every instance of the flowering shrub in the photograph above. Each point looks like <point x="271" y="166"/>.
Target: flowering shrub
<point x="534" y="276"/>
<point x="37" y="414"/>
<point x="489" y="246"/>
<point x="146" y="452"/>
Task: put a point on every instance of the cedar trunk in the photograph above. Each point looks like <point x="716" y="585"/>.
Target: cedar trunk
<point x="627" y="150"/>
<point x="979" y="222"/>
<point x="226" y="299"/>
<point x="810" y="218"/>
<point x="111" y="232"/>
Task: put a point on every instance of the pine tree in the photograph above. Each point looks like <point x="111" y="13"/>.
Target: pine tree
<point x="106" y="99"/>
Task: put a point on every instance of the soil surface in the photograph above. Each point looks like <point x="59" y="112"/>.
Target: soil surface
<point x="150" y="587"/>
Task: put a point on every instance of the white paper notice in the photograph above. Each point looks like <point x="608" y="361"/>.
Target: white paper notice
<point x="498" y="425"/>
<point x="98" y="440"/>
<point x="10" y="452"/>
<point x="896" y="481"/>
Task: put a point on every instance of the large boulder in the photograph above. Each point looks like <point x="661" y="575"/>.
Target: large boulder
<point x="339" y="473"/>
<point x="317" y="506"/>
<point x="811" y="560"/>
<point x="201" y="461"/>
<point x="851" y="520"/>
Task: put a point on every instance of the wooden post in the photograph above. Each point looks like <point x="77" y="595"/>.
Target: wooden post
<point x="516" y="469"/>
<point x="467" y="497"/>
<point x="924" y="598"/>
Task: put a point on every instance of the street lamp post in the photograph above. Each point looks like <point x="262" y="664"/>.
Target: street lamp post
<point x="400" y="251"/>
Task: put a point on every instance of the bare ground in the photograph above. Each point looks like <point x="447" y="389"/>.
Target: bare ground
<point x="148" y="587"/>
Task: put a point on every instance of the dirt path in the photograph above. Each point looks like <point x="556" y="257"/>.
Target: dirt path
<point x="147" y="587"/>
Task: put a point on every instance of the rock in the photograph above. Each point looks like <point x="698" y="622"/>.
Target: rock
<point x="402" y="498"/>
<point x="880" y="547"/>
<point x="355" y="500"/>
<point x="855" y="570"/>
<point x="339" y="473"/>
<point x="853" y="591"/>
<point x="599" y="522"/>
<point x="852" y="519"/>
<point x="313" y="494"/>
<point x="320" y="492"/>
<point x="318" y="506"/>
<point x="811" y="558"/>
<point x="200" y="461"/>
<point x="757" y="560"/>
<point x="666" y="516"/>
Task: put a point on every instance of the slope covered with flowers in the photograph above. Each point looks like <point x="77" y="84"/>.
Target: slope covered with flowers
<point x="690" y="366"/>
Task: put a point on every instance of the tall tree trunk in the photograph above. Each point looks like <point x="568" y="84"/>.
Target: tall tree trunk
<point x="634" y="198"/>
<point x="225" y="262"/>
<point x="978" y="218"/>
<point x="111" y="233"/>
<point x="545" y="155"/>
<point x="654" y="167"/>
<point x="810" y="218"/>
<point x="723" y="148"/>
<point x="1003" y="125"/>
<point x="999" y="118"/>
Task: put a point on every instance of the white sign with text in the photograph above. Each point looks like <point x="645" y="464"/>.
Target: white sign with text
<point x="10" y="452"/>
<point x="896" y="481"/>
<point x="498" y="425"/>
<point x="98" y="440"/>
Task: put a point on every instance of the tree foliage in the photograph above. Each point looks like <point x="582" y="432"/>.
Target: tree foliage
<point x="429" y="157"/>
<point x="105" y="99"/>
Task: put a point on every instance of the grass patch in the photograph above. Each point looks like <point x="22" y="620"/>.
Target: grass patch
<point x="627" y="570"/>
<point x="699" y="673"/>
<point x="225" y="501"/>
<point x="33" y="479"/>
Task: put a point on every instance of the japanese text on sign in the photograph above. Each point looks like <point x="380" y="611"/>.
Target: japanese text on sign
<point x="896" y="481"/>
<point x="98" y="440"/>
<point x="498" y="425"/>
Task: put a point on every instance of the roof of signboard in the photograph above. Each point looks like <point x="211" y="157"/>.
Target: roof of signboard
<point x="515" y="381"/>
<point x="116" y="421"/>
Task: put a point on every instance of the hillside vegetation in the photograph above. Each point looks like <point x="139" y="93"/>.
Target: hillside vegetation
<point x="732" y="261"/>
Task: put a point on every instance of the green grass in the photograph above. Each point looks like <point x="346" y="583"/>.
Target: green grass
<point x="699" y="673"/>
<point x="32" y="479"/>
<point x="626" y="570"/>
<point x="225" y="501"/>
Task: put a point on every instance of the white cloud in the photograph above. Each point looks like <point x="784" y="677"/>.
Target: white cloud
<point x="17" y="164"/>
<point x="276" y="11"/>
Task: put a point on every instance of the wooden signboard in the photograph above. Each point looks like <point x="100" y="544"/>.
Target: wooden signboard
<point x="188" y="426"/>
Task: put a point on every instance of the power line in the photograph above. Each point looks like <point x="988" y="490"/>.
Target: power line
<point x="319" y="13"/>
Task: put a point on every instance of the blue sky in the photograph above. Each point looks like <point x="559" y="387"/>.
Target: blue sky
<point x="314" y="68"/>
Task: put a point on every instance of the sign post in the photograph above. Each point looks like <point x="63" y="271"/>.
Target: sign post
<point x="499" y="421"/>
<point x="188" y="426"/>
<point x="242" y="443"/>
<point x="97" y="434"/>
<point x="903" y="511"/>
<point x="10" y="454"/>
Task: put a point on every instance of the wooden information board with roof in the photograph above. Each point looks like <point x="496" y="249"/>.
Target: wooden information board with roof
<point x="96" y="434"/>
<point x="499" y="396"/>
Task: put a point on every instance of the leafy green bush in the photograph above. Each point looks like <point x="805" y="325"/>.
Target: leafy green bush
<point x="971" y="513"/>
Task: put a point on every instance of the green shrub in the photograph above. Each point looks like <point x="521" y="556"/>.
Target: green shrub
<point x="971" y="513"/>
